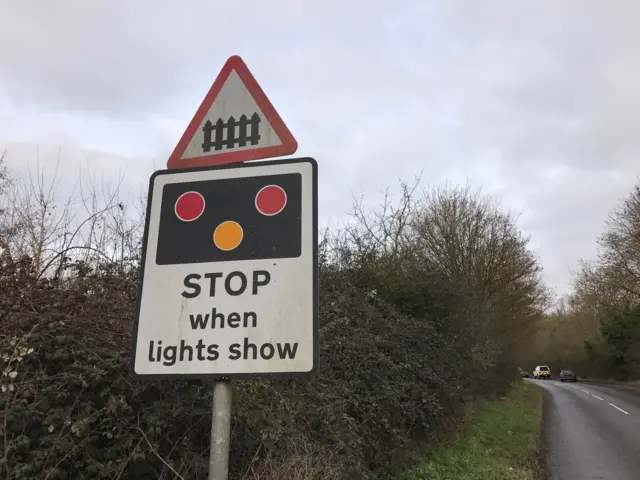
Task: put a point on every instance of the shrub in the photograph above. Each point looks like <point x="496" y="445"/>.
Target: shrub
<point x="405" y="340"/>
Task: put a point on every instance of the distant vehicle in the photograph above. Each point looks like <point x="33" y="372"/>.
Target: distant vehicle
<point x="568" y="375"/>
<point x="542" y="372"/>
<point x="523" y="373"/>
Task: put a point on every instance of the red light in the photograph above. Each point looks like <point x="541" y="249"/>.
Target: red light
<point x="271" y="200"/>
<point x="189" y="206"/>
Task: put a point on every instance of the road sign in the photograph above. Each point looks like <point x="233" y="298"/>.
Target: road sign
<point x="234" y="123"/>
<point x="230" y="260"/>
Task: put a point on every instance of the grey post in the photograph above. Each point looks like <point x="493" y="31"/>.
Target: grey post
<point x="220" y="431"/>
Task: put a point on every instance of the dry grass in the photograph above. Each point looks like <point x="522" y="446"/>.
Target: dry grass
<point x="304" y="462"/>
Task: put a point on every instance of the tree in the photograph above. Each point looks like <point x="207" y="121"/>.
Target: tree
<point x="621" y="247"/>
<point x="4" y="227"/>
<point x="481" y="250"/>
<point x="598" y="329"/>
<point x="91" y="223"/>
<point x="452" y="256"/>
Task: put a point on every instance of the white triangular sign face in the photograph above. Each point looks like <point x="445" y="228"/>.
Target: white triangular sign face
<point x="234" y="104"/>
<point x="235" y="123"/>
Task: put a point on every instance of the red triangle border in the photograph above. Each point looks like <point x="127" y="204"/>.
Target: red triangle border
<point x="288" y="146"/>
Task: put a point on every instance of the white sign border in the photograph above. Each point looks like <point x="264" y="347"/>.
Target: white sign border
<point x="315" y="280"/>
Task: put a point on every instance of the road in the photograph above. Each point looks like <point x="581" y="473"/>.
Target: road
<point x="592" y="432"/>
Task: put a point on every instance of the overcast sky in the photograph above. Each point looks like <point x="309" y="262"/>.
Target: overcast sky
<point x="538" y="103"/>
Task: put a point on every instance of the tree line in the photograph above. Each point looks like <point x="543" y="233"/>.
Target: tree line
<point x="596" y="328"/>
<point x="428" y="301"/>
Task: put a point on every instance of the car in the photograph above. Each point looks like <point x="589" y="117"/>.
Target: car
<point x="523" y="373"/>
<point x="568" y="375"/>
<point x="542" y="372"/>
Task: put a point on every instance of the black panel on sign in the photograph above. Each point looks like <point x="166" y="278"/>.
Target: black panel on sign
<point x="266" y="210"/>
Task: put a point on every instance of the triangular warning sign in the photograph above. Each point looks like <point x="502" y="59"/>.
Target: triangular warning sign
<point x="234" y="123"/>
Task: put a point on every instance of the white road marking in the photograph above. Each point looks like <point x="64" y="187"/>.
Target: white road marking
<point x="618" y="408"/>
<point x="599" y="398"/>
<point x="584" y="390"/>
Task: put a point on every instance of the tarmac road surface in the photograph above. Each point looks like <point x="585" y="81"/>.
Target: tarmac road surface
<point x="592" y="431"/>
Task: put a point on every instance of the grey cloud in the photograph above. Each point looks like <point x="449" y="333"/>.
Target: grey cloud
<point x="124" y="57"/>
<point x="497" y="92"/>
<point x="569" y="215"/>
<point x="556" y="83"/>
<point x="70" y="165"/>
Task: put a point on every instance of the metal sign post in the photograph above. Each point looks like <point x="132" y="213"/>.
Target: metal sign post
<point x="220" y="431"/>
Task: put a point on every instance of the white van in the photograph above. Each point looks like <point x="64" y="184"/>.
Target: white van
<point x="542" y="372"/>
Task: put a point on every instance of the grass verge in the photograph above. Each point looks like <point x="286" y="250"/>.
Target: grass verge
<point x="500" y="442"/>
